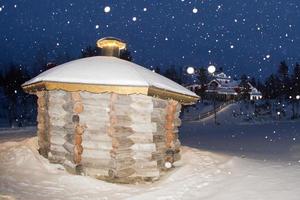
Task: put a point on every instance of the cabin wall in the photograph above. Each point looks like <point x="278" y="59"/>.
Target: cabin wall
<point x="119" y="138"/>
<point x="43" y="123"/>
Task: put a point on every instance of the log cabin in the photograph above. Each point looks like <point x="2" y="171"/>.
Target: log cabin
<point x="108" y="118"/>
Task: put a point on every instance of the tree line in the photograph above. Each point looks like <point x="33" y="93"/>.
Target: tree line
<point x="18" y="107"/>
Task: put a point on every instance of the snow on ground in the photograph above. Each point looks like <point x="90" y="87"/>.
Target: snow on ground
<point x="229" y="161"/>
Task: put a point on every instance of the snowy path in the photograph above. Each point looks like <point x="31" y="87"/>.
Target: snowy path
<point x="199" y="175"/>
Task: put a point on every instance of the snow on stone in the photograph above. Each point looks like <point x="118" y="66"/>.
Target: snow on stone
<point x="103" y="70"/>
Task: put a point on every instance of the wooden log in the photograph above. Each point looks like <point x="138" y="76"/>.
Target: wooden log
<point x="77" y="154"/>
<point x="140" y="138"/>
<point x="68" y="126"/>
<point x="100" y="107"/>
<point x="158" y="117"/>
<point x="57" y="139"/>
<point x="60" y="122"/>
<point x="121" y="153"/>
<point x="157" y="155"/>
<point x="78" y="107"/>
<point x="121" y="142"/>
<point x="97" y="145"/>
<point x="142" y="155"/>
<point x="80" y="128"/>
<point x="96" y="163"/>
<point x="140" y="117"/>
<point x="96" y="172"/>
<point x="56" y="110"/>
<point x="57" y="148"/>
<point x="144" y="147"/>
<point x="147" y="173"/>
<point x="70" y="166"/>
<point x="94" y="126"/>
<point x="159" y="138"/>
<point x="96" y="154"/>
<point x="67" y="107"/>
<point x="69" y="147"/>
<point x="120" y="164"/>
<point x="141" y="98"/>
<point x="171" y="109"/>
<point x="142" y="164"/>
<point x="120" y="173"/>
<point x="58" y="154"/>
<point x="87" y="96"/>
<point x="142" y="108"/>
<point x="56" y="157"/>
<point x="96" y="136"/>
<point x="159" y="103"/>
<point x="43" y="123"/>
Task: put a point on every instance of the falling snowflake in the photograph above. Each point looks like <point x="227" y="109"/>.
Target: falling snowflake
<point x="107" y="9"/>
<point x="134" y="19"/>
<point x="195" y="10"/>
<point x="145" y="9"/>
<point x="231" y="46"/>
<point x="97" y="26"/>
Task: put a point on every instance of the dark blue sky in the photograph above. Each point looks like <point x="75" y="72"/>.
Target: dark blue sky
<point x="242" y="36"/>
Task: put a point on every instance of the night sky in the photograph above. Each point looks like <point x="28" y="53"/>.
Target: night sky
<point x="242" y="36"/>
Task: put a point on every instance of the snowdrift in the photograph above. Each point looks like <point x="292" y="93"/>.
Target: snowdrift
<point x="24" y="174"/>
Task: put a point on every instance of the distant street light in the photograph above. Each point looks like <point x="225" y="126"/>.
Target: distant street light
<point x="190" y="70"/>
<point x="298" y="97"/>
<point x="211" y="69"/>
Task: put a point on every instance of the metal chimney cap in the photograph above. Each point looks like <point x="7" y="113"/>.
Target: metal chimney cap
<point x="111" y="42"/>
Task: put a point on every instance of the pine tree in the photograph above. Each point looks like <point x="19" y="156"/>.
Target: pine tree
<point x="172" y="74"/>
<point x="202" y="76"/>
<point x="295" y="82"/>
<point x="11" y="82"/>
<point x="284" y="81"/>
<point x="89" y="51"/>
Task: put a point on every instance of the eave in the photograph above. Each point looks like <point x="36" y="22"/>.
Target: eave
<point x="119" y="89"/>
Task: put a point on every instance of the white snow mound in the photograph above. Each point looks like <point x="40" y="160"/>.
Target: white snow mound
<point x="24" y="174"/>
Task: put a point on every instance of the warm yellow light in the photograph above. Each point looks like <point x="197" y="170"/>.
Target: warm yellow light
<point x="111" y="42"/>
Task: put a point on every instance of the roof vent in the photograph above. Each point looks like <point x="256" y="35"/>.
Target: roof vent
<point x="111" y="46"/>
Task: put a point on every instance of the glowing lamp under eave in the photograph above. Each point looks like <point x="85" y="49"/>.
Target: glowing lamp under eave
<point x="298" y="97"/>
<point x="190" y="70"/>
<point x="211" y="69"/>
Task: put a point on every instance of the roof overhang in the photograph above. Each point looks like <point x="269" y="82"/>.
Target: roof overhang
<point x="119" y="89"/>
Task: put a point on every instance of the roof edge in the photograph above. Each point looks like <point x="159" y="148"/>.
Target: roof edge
<point x="119" y="89"/>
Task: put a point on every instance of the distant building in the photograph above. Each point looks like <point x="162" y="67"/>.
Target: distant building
<point x="254" y="93"/>
<point x="226" y="88"/>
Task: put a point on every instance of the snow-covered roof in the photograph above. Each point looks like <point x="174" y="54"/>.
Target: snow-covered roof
<point x="229" y="84"/>
<point x="109" y="71"/>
